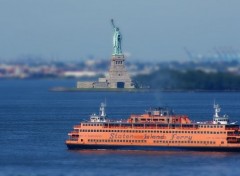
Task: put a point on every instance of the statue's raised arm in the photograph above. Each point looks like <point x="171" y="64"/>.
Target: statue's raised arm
<point x="117" y="38"/>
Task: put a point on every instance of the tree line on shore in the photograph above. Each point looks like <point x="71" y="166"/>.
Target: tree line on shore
<point x="168" y="79"/>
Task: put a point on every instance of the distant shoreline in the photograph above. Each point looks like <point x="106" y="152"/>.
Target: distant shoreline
<point x="68" y="89"/>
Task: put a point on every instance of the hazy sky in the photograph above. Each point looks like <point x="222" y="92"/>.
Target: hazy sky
<point x="152" y="30"/>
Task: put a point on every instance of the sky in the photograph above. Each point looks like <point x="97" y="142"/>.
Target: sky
<point x="153" y="30"/>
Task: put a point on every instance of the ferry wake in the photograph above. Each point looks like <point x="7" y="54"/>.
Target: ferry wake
<point x="157" y="129"/>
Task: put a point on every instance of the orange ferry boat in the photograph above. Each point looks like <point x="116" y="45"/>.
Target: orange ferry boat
<point x="157" y="129"/>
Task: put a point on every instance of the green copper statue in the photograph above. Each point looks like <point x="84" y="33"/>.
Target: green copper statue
<point x="117" y="37"/>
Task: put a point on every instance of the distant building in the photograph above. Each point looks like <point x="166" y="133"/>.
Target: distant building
<point x="118" y="76"/>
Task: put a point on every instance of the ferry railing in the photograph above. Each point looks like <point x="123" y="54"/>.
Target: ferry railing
<point x="73" y="132"/>
<point x="72" y="139"/>
<point x="234" y="128"/>
<point x="149" y="126"/>
<point x="77" y="126"/>
<point x="233" y="134"/>
<point x="232" y="141"/>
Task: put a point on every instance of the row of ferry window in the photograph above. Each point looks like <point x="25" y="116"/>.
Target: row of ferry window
<point x="92" y="124"/>
<point x="104" y="140"/>
<point x="201" y="126"/>
<point x="210" y="126"/>
<point x="193" y="142"/>
<point x="153" y="131"/>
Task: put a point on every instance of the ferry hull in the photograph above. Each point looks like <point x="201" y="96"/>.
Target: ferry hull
<point x="151" y="148"/>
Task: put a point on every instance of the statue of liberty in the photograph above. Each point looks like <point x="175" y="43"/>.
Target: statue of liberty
<point x="117" y="37"/>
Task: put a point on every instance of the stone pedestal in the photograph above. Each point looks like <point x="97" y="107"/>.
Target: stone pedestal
<point x="118" y="75"/>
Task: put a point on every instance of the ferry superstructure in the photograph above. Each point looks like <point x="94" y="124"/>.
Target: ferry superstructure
<point x="157" y="129"/>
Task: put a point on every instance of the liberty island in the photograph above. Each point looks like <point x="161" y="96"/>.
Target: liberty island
<point x="118" y="76"/>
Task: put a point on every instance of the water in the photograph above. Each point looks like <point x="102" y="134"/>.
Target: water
<point x="34" y="123"/>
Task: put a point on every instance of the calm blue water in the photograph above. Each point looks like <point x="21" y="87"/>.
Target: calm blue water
<point x="34" y="123"/>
